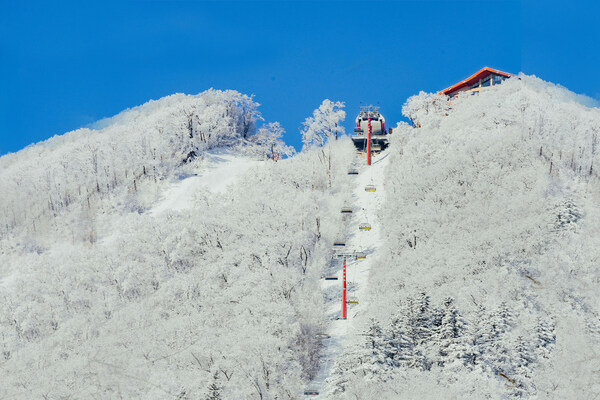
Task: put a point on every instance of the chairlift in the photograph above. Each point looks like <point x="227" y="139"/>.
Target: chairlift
<point x="360" y="255"/>
<point x="311" y="392"/>
<point x="331" y="278"/>
<point x="370" y="188"/>
<point x="352" y="172"/>
<point x="364" y="227"/>
<point x="344" y="255"/>
<point x="346" y="210"/>
<point x="352" y="301"/>
<point x="339" y="243"/>
<point x="376" y="147"/>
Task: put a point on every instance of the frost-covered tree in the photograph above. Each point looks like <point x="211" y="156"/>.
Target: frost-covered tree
<point x="214" y="389"/>
<point x="324" y="124"/>
<point x="269" y="140"/>
<point x="425" y="108"/>
<point x="321" y="128"/>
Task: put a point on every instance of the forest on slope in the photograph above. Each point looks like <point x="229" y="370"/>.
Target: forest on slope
<point x="486" y="284"/>
<point x="103" y="298"/>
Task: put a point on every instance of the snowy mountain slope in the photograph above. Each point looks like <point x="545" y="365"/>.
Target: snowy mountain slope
<point x="217" y="295"/>
<point x="340" y="332"/>
<point x="486" y="282"/>
<point x="93" y="170"/>
<point x="221" y="168"/>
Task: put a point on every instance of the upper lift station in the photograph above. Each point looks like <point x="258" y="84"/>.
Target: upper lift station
<point x="371" y="135"/>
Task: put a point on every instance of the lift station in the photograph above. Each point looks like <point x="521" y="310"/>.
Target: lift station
<point x="370" y="134"/>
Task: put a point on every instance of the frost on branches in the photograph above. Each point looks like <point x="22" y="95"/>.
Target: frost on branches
<point x="103" y="298"/>
<point x="324" y="124"/>
<point x="483" y="287"/>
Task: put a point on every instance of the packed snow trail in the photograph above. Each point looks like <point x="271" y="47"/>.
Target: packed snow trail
<point x="221" y="168"/>
<point x="365" y="206"/>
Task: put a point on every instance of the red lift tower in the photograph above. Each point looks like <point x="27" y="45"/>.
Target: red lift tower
<point x="344" y="292"/>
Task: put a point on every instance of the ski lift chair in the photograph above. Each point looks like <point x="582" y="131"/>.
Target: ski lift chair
<point x="364" y="226"/>
<point x="360" y="255"/>
<point x="352" y="172"/>
<point x="346" y="210"/>
<point x="370" y="188"/>
<point x="339" y="243"/>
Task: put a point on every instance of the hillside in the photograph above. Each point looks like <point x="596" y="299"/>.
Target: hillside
<point x="164" y="253"/>
<point x="163" y="275"/>
<point x="485" y="285"/>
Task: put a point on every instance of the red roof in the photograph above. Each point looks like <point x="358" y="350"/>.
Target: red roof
<point x="474" y="78"/>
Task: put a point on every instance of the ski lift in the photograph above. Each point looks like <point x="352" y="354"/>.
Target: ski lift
<point x="331" y="278"/>
<point x="360" y="255"/>
<point x="352" y="172"/>
<point x="346" y="210"/>
<point x="370" y="188"/>
<point x="376" y="147"/>
<point x="352" y="301"/>
<point x="339" y="243"/>
<point x="311" y="393"/>
<point x="364" y="227"/>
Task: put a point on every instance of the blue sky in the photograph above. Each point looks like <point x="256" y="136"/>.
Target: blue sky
<point x="64" y="65"/>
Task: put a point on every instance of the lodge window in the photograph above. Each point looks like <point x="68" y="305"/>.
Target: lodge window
<point x="486" y="81"/>
<point x="497" y="79"/>
<point x="475" y="85"/>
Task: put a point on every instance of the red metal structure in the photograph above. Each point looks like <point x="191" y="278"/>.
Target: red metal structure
<point x="369" y="144"/>
<point x="475" y="78"/>
<point x="344" y="292"/>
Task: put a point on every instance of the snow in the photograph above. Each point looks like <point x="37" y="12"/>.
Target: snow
<point x="365" y="209"/>
<point x="155" y="257"/>
<point x="221" y="168"/>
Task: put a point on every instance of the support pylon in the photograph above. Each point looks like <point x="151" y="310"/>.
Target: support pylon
<point x="344" y="292"/>
<point x="369" y="144"/>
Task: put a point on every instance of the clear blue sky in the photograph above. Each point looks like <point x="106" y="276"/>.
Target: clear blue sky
<point x="64" y="65"/>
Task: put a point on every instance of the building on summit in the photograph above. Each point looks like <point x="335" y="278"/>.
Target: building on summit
<point x="481" y="80"/>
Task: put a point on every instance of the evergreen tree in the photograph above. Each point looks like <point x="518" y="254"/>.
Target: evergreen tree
<point x="450" y="346"/>
<point x="545" y="337"/>
<point x="423" y="318"/>
<point x="376" y="342"/>
<point x="214" y="389"/>
<point x="523" y="366"/>
<point x="401" y="348"/>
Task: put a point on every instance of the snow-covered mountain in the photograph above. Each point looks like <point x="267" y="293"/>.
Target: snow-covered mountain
<point x="486" y="284"/>
<point x="163" y="253"/>
<point x="130" y="268"/>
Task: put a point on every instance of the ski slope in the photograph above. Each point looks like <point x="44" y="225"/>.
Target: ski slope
<point x="365" y="206"/>
<point x="220" y="169"/>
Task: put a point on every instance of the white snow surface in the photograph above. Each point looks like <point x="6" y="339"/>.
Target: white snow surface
<point x="138" y="261"/>
<point x="365" y="207"/>
<point x="220" y="168"/>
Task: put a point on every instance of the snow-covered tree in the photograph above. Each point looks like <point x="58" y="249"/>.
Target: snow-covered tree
<point x="324" y="124"/>
<point x="269" y="140"/>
